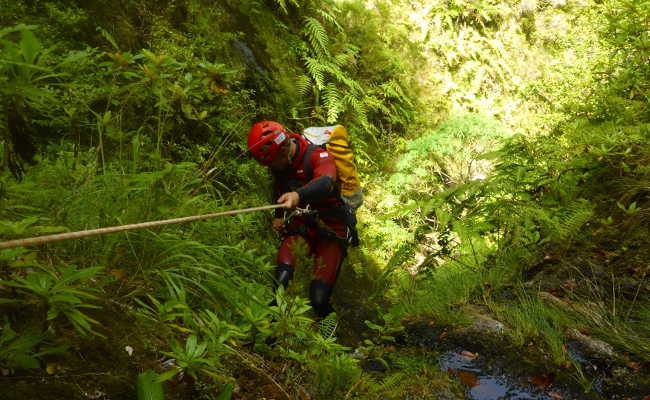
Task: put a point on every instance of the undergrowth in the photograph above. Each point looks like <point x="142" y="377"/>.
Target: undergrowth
<point x="494" y="137"/>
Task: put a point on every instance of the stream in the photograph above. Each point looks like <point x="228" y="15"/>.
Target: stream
<point x="489" y="380"/>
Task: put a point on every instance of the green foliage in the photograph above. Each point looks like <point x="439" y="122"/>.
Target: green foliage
<point x="448" y="156"/>
<point x="627" y="72"/>
<point x="140" y="114"/>
<point x="60" y="290"/>
<point x="23" y="351"/>
<point x="189" y="359"/>
<point x="148" y="387"/>
<point x="530" y="319"/>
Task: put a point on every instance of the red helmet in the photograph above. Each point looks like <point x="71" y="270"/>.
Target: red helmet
<point x="265" y="140"/>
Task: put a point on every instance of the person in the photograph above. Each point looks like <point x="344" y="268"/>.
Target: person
<point x="304" y="176"/>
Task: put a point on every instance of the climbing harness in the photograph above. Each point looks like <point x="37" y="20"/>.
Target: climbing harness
<point x="101" y="231"/>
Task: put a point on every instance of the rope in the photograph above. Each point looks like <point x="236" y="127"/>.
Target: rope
<point x="101" y="231"/>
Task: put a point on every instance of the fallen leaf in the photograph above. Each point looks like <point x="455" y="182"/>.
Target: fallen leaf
<point x="608" y="254"/>
<point x="468" y="378"/>
<point x="443" y="335"/>
<point x="51" y="368"/>
<point x="118" y="274"/>
<point x="634" y="365"/>
<point x="218" y="89"/>
<point x="304" y="395"/>
<point x="555" y="395"/>
<point x="567" y="364"/>
<point x="469" y="354"/>
<point x="541" y="380"/>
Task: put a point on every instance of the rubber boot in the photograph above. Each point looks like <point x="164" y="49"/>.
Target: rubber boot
<point x="319" y="295"/>
<point x="284" y="273"/>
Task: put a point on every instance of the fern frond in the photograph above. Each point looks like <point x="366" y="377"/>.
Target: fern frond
<point x="315" y="69"/>
<point x="331" y="19"/>
<point x="342" y="59"/>
<point x="317" y="36"/>
<point x="394" y="90"/>
<point x="304" y="85"/>
<point x="353" y="101"/>
<point x="328" y="325"/>
<point x="392" y="382"/>
<point x="338" y="74"/>
<point x="572" y="218"/>
<point x="387" y="385"/>
<point x="282" y="4"/>
<point x="333" y="102"/>
<point x="376" y="104"/>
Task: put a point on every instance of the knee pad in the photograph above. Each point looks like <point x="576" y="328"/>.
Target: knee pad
<point x="284" y="273"/>
<point x="319" y="295"/>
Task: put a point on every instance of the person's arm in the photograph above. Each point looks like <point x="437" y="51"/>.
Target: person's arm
<point x="323" y="179"/>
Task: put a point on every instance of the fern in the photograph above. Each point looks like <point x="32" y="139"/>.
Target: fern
<point x="328" y="325"/>
<point x="283" y="5"/>
<point x="572" y="218"/>
<point x="317" y="36"/>
<point x="340" y="76"/>
<point x="333" y="102"/>
<point x="303" y="83"/>
<point x="315" y="69"/>
<point x="387" y="385"/>
<point x="331" y="19"/>
<point x="353" y="101"/>
<point x="342" y="59"/>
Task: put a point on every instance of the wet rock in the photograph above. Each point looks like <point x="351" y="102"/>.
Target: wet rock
<point x="483" y="331"/>
<point x="421" y="334"/>
<point x="549" y="299"/>
<point x="545" y="281"/>
<point x="592" y="348"/>
<point x="375" y="365"/>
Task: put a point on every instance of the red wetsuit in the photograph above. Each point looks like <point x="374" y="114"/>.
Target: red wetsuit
<point x="324" y="232"/>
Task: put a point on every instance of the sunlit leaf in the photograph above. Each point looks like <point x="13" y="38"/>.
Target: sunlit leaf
<point x="30" y="46"/>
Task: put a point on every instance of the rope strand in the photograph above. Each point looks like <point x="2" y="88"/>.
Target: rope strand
<point x="101" y="231"/>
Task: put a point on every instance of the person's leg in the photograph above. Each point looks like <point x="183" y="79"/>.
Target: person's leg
<point x="286" y="259"/>
<point x="328" y="258"/>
